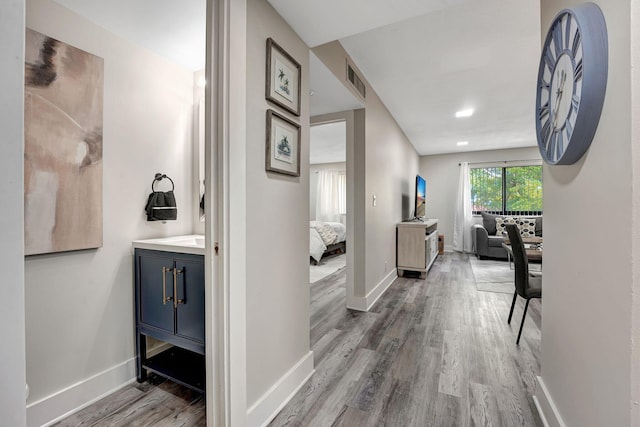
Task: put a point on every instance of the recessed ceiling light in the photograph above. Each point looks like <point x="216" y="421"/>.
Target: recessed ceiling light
<point x="464" y="113"/>
<point x="461" y="143"/>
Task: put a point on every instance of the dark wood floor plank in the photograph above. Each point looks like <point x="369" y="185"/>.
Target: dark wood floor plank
<point x="103" y="408"/>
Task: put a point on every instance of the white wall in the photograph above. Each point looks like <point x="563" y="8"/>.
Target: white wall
<point x="586" y="310"/>
<point x="385" y="166"/>
<point x="313" y="184"/>
<point x="635" y="138"/>
<point x="79" y="305"/>
<point x="276" y="218"/>
<point x="442" y="175"/>
<point x="12" y="329"/>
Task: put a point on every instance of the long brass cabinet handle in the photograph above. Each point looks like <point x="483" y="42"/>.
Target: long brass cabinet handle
<point x="165" y="298"/>
<point x="176" y="301"/>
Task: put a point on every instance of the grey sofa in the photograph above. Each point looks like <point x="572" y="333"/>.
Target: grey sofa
<point x="489" y="245"/>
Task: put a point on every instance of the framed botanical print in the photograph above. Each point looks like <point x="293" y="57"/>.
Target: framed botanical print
<point x="283" y="145"/>
<point x="283" y="78"/>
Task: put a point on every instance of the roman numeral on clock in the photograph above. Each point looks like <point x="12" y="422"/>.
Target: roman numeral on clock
<point x="567" y="35"/>
<point x="544" y="111"/>
<point x="558" y="41"/>
<point x="576" y="44"/>
<point x="577" y="73"/>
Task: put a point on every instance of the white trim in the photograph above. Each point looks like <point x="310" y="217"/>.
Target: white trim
<point x="67" y="401"/>
<point x="364" y="304"/>
<point x="506" y="163"/>
<point x="546" y="407"/>
<point x="270" y="403"/>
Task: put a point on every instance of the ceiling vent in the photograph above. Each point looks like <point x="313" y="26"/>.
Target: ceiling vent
<point x="356" y="81"/>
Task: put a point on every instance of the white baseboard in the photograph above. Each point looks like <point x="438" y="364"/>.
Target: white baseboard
<point x="268" y="406"/>
<point x="364" y="304"/>
<point x="65" y="402"/>
<point x="546" y="407"/>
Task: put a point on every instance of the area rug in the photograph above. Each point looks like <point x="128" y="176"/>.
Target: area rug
<point x="327" y="265"/>
<point x="495" y="275"/>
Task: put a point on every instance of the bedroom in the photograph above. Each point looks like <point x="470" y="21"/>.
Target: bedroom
<point x="328" y="195"/>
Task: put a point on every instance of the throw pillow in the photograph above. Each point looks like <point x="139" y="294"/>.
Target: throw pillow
<point x="501" y="230"/>
<point x="527" y="227"/>
<point x="489" y="223"/>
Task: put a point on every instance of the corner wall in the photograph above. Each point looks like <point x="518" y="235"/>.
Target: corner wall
<point x="635" y="143"/>
<point x="588" y="288"/>
<point x="277" y="237"/>
<point x="442" y="173"/>
<point x="386" y="165"/>
<point x="12" y="314"/>
<point x="79" y="305"/>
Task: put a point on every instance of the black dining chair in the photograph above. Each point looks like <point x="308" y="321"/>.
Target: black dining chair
<point x="527" y="286"/>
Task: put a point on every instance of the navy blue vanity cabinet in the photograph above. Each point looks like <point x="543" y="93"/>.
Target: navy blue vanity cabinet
<point x="169" y="290"/>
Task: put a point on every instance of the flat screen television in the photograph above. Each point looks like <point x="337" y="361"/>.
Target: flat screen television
<point x="421" y="197"/>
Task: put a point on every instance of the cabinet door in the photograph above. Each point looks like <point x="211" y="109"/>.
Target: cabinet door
<point x="190" y="288"/>
<point x="153" y="310"/>
<point x="411" y="247"/>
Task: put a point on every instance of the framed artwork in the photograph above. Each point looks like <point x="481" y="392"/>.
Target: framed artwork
<point x="283" y="145"/>
<point x="283" y="78"/>
<point x="63" y="146"/>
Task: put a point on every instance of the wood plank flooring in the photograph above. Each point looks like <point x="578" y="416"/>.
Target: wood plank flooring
<point x="434" y="352"/>
<point x="156" y="402"/>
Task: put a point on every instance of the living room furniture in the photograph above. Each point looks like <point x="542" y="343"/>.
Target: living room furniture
<point x="416" y="246"/>
<point x="487" y="242"/>
<point x="527" y="286"/>
<point x="533" y="248"/>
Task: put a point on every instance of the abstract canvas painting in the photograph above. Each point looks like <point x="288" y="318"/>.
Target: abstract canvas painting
<point x="63" y="146"/>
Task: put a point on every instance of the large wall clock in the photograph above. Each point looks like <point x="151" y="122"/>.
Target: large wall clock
<point x="572" y="80"/>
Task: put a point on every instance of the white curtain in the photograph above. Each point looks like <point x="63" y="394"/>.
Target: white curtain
<point x="462" y="240"/>
<point x="331" y="202"/>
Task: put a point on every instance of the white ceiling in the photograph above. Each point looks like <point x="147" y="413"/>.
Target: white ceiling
<point x="174" y="29"/>
<point x="426" y="59"/>
<point x="328" y="94"/>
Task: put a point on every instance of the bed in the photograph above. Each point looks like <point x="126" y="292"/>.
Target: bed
<point x="326" y="238"/>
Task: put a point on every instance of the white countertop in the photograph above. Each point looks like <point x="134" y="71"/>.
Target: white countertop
<point x="189" y="244"/>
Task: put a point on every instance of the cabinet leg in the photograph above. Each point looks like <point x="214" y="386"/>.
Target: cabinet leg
<point x="400" y="272"/>
<point x="141" y="355"/>
<point x="423" y="275"/>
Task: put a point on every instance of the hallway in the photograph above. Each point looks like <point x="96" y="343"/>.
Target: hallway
<point x="436" y="352"/>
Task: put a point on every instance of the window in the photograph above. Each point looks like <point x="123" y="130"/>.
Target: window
<point x="515" y="190"/>
<point x="331" y="195"/>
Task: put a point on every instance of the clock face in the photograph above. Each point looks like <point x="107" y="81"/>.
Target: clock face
<point x="565" y="102"/>
<point x="560" y="85"/>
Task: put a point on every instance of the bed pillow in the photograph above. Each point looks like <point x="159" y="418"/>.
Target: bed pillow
<point x="326" y="232"/>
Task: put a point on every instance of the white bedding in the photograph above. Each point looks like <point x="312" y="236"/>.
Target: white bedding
<point x="322" y="234"/>
<point x="316" y="245"/>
